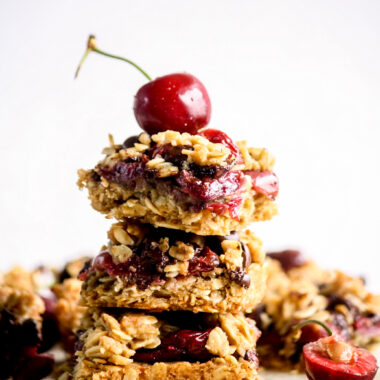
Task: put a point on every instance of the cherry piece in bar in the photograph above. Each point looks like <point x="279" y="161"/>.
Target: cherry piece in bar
<point x="216" y="136"/>
<point x="177" y="102"/>
<point x="264" y="182"/>
<point x="181" y="345"/>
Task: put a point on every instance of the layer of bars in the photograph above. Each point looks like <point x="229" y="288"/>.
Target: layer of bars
<point x="298" y="290"/>
<point x="185" y="182"/>
<point x="157" y="268"/>
<point x="124" y="344"/>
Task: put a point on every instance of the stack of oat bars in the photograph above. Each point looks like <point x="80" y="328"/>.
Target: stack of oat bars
<point x="166" y="296"/>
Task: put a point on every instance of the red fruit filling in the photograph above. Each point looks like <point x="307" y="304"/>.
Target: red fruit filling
<point x="205" y="263"/>
<point x="264" y="182"/>
<point x="147" y="263"/>
<point x="149" y="267"/>
<point x="208" y="189"/>
<point x="183" y="345"/>
<point x="232" y="207"/>
<point x="187" y="345"/>
<point x="333" y="359"/>
<point x="219" y="137"/>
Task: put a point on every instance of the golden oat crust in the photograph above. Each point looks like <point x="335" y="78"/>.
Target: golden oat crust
<point x="215" y="369"/>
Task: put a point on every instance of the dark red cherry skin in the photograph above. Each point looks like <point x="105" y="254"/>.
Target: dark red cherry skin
<point x="319" y="366"/>
<point x="311" y="333"/>
<point x="177" y="102"/>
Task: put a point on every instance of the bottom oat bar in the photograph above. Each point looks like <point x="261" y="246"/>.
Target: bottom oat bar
<point x="130" y="345"/>
<point x="298" y="290"/>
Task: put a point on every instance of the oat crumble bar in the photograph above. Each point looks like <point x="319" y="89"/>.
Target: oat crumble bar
<point x="157" y="268"/>
<point x="297" y="290"/>
<point x="127" y="344"/>
<point x="184" y="182"/>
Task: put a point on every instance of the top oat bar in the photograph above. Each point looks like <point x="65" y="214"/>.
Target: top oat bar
<point x="208" y="186"/>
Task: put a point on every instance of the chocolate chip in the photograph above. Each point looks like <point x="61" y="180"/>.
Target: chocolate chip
<point x="130" y="142"/>
<point x="288" y="259"/>
<point x="95" y="176"/>
<point x="240" y="277"/>
<point x="247" y="258"/>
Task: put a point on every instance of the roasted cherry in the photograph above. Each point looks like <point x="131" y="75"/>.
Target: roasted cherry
<point x="333" y="358"/>
<point x="176" y="102"/>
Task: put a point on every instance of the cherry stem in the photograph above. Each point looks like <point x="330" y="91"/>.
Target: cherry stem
<point x="92" y="46"/>
<point x="304" y="323"/>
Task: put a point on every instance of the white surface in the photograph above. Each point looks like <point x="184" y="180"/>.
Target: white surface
<point x="301" y="78"/>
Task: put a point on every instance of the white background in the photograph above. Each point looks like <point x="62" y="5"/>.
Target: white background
<point x="301" y="78"/>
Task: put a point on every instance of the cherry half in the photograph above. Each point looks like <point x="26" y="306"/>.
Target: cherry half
<point x="177" y="102"/>
<point x="332" y="358"/>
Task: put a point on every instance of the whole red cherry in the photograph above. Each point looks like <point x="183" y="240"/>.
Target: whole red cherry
<point x="176" y="101"/>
